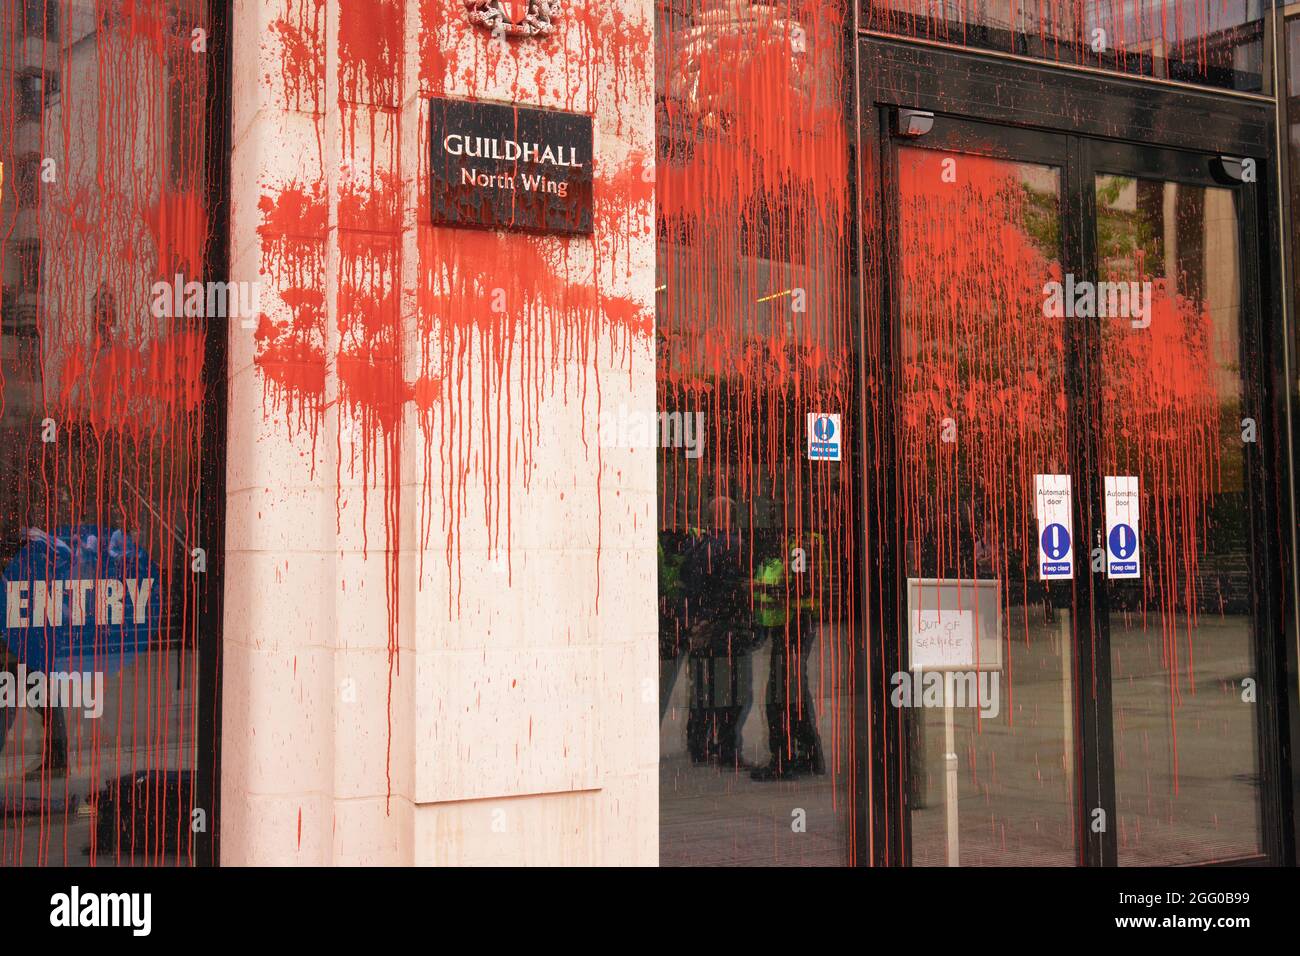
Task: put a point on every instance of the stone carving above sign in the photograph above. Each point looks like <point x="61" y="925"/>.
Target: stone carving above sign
<point x="498" y="16"/>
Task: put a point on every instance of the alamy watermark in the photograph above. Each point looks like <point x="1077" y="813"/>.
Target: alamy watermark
<point x="1101" y="300"/>
<point x="83" y="690"/>
<point x="629" y="428"/>
<point x="210" y="300"/>
<point x="76" y="908"/>
<point x="981" y="689"/>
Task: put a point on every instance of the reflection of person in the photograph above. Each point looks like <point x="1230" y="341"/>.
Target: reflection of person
<point x="54" y="748"/>
<point x="672" y="613"/>
<point x="785" y="614"/>
<point x="54" y="751"/>
<point x="720" y="640"/>
<point x="984" y="553"/>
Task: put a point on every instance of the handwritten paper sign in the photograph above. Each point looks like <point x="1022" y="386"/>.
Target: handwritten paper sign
<point x="943" y="640"/>
<point x="954" y="624"/>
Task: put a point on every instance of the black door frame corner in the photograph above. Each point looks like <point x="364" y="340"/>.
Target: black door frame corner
<point x="1024" y="98"/>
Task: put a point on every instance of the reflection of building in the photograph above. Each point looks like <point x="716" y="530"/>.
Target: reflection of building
<point x="1177" y="39"/>
<point x="99" y="414"/>
<point x="33" y="79"/>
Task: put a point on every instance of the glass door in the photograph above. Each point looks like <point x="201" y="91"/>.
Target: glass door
<point x="1175" y="296"/>
<point x="1078" y="670"/>
<point x="986" y="685"/>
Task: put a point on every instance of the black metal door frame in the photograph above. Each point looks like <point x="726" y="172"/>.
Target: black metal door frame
<point x="1145" y="161"/>
<point x="212" y="504"/>
<point x="1026" y="102"/>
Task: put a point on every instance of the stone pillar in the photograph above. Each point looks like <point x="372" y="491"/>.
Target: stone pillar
<point x="440" y="588"/>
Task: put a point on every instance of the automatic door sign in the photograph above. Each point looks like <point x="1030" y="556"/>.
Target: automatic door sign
<point x="83" y="598"/>
<point x="1123" y="528"/>
<point x="1055" y="530"/>
<point x="824" y="442"/>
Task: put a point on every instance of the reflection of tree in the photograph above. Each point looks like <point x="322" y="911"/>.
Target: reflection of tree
<point x="1126" y="241"/>
<point x="1041" y="219"/>
<point x="1171" y="415"/>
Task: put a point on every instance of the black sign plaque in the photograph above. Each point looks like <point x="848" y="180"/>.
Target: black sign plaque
<point x="497" y="166"/>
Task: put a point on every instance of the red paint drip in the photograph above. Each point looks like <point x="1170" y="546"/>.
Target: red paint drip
<point x="486" y="347"/>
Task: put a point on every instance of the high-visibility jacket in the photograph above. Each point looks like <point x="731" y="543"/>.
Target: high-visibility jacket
<point x="774" y="596"/>
<point x="670" y="574"/>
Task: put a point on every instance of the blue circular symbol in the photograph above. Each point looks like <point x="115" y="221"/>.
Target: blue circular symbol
<point x="1056" y="541"/>
<point x="82" y="598"/>
<point x="1123" y="542"/>
<point x="824" y="428"/>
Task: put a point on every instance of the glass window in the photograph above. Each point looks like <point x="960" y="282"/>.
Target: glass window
<point x="101" y="426"/>
<point x="1217" y="44"/>
<point x="756" y="541"/>
<point x="26" y="177"/>
<point x="40" y="18"/>
<point x="983" y="404"/>
<point x="29" y="265"/>
<point x="36" y="91"/>
<point x="1182" y="637"/>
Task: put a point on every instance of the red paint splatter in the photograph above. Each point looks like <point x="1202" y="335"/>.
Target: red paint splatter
<point x="496" y="322"/>
<point x="121" y="381"/>
<point x="1164" y="38"/>
<point x="755" y="330"/>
